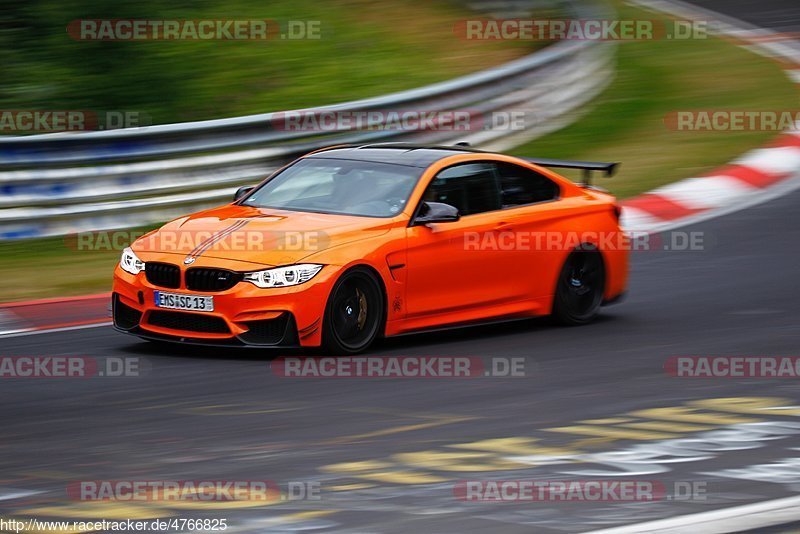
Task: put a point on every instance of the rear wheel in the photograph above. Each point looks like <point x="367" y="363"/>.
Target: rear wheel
<point x="579" y="292"/>
<point x="354" y="313"/>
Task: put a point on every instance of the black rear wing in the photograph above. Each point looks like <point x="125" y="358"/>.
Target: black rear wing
<point x="588" y="166"/>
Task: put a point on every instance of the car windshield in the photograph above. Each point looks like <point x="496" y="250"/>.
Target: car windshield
<point x="339" y="186"/>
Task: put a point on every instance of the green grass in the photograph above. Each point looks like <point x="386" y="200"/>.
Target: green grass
<point x="366" y="48"/>
<point x="654" y="78"/>
<point x="56" y="266"/>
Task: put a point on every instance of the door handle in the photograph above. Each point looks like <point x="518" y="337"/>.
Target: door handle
<point x="503" y="227"/>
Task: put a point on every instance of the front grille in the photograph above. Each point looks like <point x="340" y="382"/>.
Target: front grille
<point x="163" y="274"/>
<point x="191" y="322"/>
<point x="202" y="279"/>
<point x="270" y="331"/>
<point x="125" y="317"/>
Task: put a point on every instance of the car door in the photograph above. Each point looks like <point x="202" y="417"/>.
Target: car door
<point x="446" y="274"/>
<point x="539" y="224"/>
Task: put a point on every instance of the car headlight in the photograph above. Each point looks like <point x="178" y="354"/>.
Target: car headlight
<point x="130" y="263"/>
<point x="291" y="275"/>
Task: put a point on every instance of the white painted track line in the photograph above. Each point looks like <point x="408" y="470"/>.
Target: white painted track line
<point x="31" y="332"/>
<point x="734" y="519"/>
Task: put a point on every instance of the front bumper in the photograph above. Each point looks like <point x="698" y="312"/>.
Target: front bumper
<point x="244" y="315"/>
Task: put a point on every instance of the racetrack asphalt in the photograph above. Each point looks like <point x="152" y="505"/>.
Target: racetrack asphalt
<point x="777" y="15"/>
<point x="222" y="415"/>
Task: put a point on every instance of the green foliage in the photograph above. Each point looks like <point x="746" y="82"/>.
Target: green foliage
<point x="366" y="48"/>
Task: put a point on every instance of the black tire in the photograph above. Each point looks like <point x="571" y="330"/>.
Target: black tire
<point x="354" y="314"/>
<point x="580" y="287"/>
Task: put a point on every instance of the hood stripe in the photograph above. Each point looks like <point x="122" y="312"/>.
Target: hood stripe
<point x="216" y="238"/>
<point x="212" y="237"/>
<point x="222" y="235"/>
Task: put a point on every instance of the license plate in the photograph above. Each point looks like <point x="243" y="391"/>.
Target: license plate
<point x="176" y="301"/>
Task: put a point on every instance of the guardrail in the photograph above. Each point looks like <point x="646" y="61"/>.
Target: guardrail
<point x="56" y="184"/>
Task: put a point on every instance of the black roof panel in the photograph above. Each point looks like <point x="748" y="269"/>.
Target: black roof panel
<point x="396" y="153"/>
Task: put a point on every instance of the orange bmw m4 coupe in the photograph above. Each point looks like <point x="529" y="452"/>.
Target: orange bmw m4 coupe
<point x="348" y="244"/>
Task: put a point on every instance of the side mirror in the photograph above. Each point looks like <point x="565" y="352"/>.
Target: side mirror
<point x="437" y="212"/>
<point x="242" y="192"/>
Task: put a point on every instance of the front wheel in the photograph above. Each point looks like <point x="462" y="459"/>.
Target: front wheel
<point x="579" y="292"/>
<point x="354" y="313"/>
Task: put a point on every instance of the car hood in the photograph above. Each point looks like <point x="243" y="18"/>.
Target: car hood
<point x="260" y="236"/>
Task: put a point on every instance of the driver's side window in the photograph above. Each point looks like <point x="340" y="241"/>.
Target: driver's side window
<point x="470" y="187"/>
